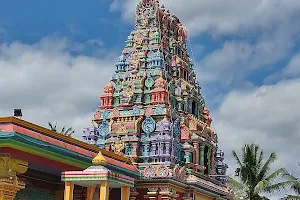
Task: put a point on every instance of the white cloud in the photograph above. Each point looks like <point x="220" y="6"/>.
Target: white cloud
<point x="291" y="70"/>
<point x="51" y="84"/>
<point x="222" y="16"/>
<point x="293" y="67"/>
<point x="96" y="42"/>
<point x="268" y="115"/>
<point x="267" y="31"/>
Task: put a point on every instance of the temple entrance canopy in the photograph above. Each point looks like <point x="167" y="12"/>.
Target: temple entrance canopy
<point x="98" y="180"/>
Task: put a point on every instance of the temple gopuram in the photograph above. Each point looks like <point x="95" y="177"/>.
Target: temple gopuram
<point x="149" y="139"/>
<point x="152" y="112"/>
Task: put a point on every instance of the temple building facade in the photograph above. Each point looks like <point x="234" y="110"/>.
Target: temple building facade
<point x="149" y="139"/>
<point x="152" y="112"/>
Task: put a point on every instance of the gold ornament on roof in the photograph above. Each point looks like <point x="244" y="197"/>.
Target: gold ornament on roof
<point x="99" y="160"/>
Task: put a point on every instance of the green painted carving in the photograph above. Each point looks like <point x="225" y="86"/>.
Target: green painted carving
<point x="116" y="101"/>
<point x="118" y="86"/>
<point x="147" y="98"/>
<point x="172" y="88"/>
<point x="149" y="82"/>
<point x="173" y="101"/>
<point x="202" y="146"/>
<point x="126" y="84"/>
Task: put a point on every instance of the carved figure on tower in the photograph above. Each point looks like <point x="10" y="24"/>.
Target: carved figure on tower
<point x="152" y="110"/>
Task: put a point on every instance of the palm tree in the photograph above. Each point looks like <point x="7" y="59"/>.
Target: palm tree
<point x="255" y="175"/>
<point x="67" y="132"/>
<point x="295" y="186"/>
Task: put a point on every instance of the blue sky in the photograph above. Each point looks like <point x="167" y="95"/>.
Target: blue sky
<point x="58" y="55"/>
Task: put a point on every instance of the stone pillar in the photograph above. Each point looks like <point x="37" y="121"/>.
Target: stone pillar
<point x="90" y="192"/>
<point x="196" y="147"/>
<point x="9" y="182"/>
<point x="187" y="156"/>
<point x="135" y="149"/>
<point x="69" y="188"/>
<point x="209" y="160"/>
<point x="212" y="156"/>
<point x="202" y="146"/>
<point x="153" y="149"/>
<point x="104" y="190"/>
<point x="125" y="192"/>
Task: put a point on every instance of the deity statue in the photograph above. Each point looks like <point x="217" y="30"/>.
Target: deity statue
<point x="118" y="147"/>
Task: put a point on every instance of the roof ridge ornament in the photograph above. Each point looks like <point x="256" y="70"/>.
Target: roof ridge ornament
<point x="99" y="160"/>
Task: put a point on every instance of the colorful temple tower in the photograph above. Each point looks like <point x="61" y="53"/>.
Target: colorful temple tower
<point x="153" y="113"/>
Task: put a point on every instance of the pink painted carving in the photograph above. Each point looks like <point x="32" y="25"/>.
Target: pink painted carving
<point x="184" y="132"/>
<point x="116" y="112"/>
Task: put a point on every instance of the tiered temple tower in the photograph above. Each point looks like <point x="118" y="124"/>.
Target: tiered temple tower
<point x="152" y="110"/>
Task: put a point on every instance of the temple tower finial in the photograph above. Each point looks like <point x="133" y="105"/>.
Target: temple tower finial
<point x="99" y="160"/>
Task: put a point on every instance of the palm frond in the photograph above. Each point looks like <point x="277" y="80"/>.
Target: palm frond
<point x="237" y="158"/>
<point x="260" y="159"/>
<point x="52" y="128"/>
<point x="290" y="176"/>
<point x="235" y="185"/>
<point x="278" y="187"/>
<point x="266" y="167"/>
<point x="291" y="197"/>
<point x="69" y="132"/>
<point x="63" y="130"/>
<point x="276" y="175"/>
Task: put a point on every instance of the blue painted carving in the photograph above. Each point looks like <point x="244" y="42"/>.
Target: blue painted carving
<point x="104" y="129"/>
<point x="148" y="125"/>
<point x="129" y="149"/>
<point x="176" y="128"/>
<point x="105" y="114"/>
<point x="127" y="75"/>
<point x="178" y="151"/>
<point x="145" y="138"/>
<point x="220" y="166"/>
<point x="158" y="110"/>
<point x="136" y="111"/>
<point x="157" y="60"/>
<point x="120" y="63"/>
<point x="146" y="150"/>
<point x="174" y="113"/>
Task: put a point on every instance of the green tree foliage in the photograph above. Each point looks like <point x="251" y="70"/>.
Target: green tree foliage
<point x="67" y="132"/>
<point x="294" y="186"/>
<point x="256" y="177"/>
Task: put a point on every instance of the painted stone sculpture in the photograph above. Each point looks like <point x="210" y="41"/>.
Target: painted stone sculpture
<point x="152" y="110"/>
<point x="148" y="125"/>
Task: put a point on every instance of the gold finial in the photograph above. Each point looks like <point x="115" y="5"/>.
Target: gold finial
<point x="99" y="160"/>
<point x="165" y="117"/>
